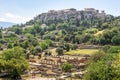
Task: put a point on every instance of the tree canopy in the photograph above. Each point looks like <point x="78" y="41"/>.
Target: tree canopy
<point x="13" y="61"/>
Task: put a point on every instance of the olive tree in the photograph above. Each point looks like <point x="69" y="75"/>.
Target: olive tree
<point x="13" y="62"/>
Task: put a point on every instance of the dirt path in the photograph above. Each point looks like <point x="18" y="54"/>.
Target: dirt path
<point x="39" y="78"/>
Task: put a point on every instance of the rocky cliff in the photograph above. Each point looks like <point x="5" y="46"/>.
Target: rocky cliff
<point x="70" y="15"/>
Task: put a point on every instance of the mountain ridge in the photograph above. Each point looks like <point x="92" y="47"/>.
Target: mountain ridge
<point x="6" y="24"/>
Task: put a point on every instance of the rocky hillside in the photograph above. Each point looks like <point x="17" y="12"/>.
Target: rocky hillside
<point x="69" y="15"/>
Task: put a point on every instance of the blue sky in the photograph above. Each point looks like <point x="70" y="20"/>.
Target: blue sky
<point x="20" y="11"/>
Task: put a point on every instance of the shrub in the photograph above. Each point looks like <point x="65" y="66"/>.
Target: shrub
<point x="59" y="51"/>
<point x="66" y="67"/>
<point x="114" y="49"/>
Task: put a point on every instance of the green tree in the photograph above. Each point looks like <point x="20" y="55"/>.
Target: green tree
<point x="28" y="35"/>
<point x="13" y="62"/>
<point x="114" y="49"/>
<point x="106" y="48"/>
<point x="1" y="48"/>
<point x="34" y="41"/>
<point x="106" y="37"/>
<point x="9" y="45"/>
<point x="105" y="25"/>
<point x="86" y="38"/>
<point x="44" y="45"/>
<point x="100" y="67"/>
<point x="1" y="34"/>
<point x="25" y="44"/>
<point x="67" y="47"/>
<point x="18" y="31"/>
<point x="74" y="46"/>
<point x="116" y="67"/>
<point x="38" y="49"/>
<point x="116" y="39"/>
<point x="98" y="71"/>
<point x="33" y="31"/>
<point x="97" y="56"/>
<point x="37" y="28"/>
<point x="59" y="51"/>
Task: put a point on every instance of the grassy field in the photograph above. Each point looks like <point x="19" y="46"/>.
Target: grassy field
<point x="78" y="51"/>
<point x="82" y="51"/>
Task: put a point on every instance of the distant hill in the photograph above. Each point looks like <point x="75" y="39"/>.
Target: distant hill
<point x="6" y="24"/>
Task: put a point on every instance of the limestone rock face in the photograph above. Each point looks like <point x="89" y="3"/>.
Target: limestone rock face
<point x="71" y="14"/>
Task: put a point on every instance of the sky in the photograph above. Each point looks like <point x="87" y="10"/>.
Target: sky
<point x="20" y="11"/>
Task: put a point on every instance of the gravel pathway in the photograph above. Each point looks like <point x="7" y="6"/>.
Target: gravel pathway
<point x="39" y="78"/>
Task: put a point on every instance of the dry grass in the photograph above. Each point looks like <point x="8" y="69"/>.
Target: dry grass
<point x="99" y="32"/>
<point x="53" y="51"/>
<point x="82" y="51"/>
<point x="78" y="51"/>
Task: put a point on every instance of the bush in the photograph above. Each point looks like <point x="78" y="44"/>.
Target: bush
<point x="99" y="71"/>
<point x="38" y="49"/>
<point x="97" y="56"/>
<point x="103" y="66"/>
<point x="59" y="51"/>
<point x="116" y="67"/>
<point x="106" y="48"/>
<point x="74" y="46"/>
<point x="66" y="67"/>
<point x="67" y="47"/>
<point x="114" y="49"/>
<point x="116" y="39"/>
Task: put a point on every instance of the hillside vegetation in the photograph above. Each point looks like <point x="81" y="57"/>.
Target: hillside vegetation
<point x="69" y="32"/>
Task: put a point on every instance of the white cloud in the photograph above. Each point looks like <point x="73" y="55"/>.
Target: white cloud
<point x="9" y="17"/>
<point x="2" y="19"/>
